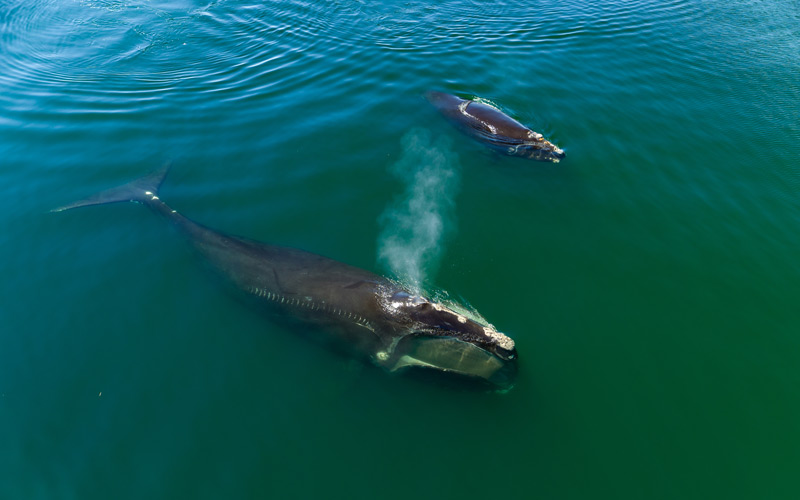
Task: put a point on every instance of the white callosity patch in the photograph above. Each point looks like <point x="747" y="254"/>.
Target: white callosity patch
<point x="460" y="308"/>
<point x="395" y="301"/>
<point x="415" y="226"/>
<point x="502" y="340"/>
<point x="540" y="141"/>
<point x="535" y="136"/>
<point x="462" y="315"/>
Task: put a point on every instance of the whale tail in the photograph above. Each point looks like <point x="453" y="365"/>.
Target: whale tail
<point x="140" y="190"/>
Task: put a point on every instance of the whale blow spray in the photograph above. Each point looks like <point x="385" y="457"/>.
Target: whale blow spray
<point x="415" y="226"/>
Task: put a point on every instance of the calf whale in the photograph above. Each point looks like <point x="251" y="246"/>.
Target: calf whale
<point x="374" y="317"/>
<point x="492" y="127"/>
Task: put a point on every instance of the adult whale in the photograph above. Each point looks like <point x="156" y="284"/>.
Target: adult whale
<point x="494" y="128"/>
<point x="373" y="317"/>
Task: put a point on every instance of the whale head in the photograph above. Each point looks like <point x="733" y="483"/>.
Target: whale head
<point x="540" y="150"/>
<point x="534" y="146"/>
<point x="437" y="338"/>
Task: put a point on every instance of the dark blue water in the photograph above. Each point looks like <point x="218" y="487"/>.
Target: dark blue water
<point x="650" y="280"/>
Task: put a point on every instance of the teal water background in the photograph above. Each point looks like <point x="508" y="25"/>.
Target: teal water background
<point x="651" y="280"/>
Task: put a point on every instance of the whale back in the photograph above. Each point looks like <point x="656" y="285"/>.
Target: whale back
<point x="495" y="123"/>
<point x="481" y="120"/>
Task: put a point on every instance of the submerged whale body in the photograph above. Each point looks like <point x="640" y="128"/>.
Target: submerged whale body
<point x="492" y="127"/>
<point x="371" y="316"/>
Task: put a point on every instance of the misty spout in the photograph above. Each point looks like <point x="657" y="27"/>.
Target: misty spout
<point x="417" y="224"/>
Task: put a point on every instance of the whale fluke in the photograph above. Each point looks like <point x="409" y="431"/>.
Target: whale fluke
<point x="138" y="190"/>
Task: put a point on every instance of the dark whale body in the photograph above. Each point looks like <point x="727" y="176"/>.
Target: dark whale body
<point x="494" y="128"/>
<point x="371" y="316"/>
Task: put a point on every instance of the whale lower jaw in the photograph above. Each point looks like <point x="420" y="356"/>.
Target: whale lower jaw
<point x="482" y="380"/>
<point x="485" y="372"/>
<point x="450" y="356"/>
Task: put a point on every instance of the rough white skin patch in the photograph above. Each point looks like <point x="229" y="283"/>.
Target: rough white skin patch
<point x="534" y="135"/>
<point x="499" y="338"/>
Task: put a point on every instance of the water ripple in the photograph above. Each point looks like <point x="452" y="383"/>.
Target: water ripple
<point x="146" y="58"/>
<point x="676" y="216"/>
<point x="102" y="48"/>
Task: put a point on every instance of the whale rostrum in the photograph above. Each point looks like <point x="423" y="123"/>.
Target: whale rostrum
<point x="373" y="317"/>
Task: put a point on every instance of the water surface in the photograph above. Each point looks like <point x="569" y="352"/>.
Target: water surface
<point x="650" y="280"/>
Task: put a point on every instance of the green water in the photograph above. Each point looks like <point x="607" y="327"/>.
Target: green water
<point x="650" y="280"/>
